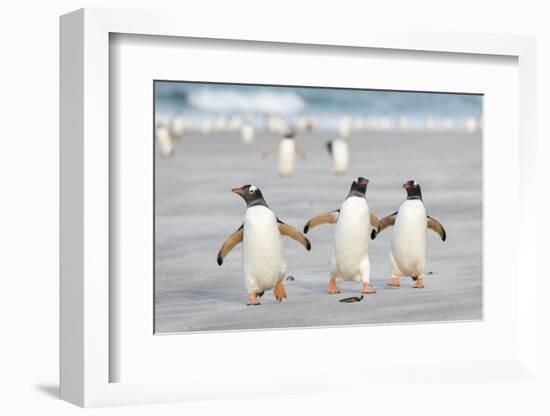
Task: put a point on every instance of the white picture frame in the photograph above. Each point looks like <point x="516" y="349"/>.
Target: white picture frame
<point x="86" y="334"/>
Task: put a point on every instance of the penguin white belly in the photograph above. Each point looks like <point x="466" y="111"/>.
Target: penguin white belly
<point x="340" y="156"/>
<point x="164" y="142"/>
<point x="286" y="157"/>
<point x="177" y="126"/>
<point x="264" y="261"/>
<point x="409" y="240"/>
<point x="351" y="241"/>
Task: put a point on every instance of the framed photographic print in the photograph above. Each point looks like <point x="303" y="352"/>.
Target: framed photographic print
<point x="335" y="150"/>
<point x="327" y="207"/>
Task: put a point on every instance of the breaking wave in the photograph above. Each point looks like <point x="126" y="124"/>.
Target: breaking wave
<point x="286" y="103"/>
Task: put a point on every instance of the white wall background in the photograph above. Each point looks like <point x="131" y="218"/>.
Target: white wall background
<point x="29" y="116"/>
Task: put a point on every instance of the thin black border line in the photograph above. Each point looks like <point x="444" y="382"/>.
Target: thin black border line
<point x="244" y="84"/>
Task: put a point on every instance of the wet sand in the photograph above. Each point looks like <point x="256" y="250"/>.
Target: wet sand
<point x="195" y="212"/>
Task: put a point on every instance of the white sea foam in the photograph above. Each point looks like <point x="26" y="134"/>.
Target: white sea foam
<point x="232" y="101"/>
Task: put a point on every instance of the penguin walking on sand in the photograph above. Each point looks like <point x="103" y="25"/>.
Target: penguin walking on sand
<point x="178" y="124"/>
<point x="339" y="152"/>
<point x="409" y="239"/>
<point x="287" y="149"/>
<point x="355" y="225"/>
<point x="264" y="260"/>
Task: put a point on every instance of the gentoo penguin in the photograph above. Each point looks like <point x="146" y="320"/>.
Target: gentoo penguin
<point x="247" y="132"/>
<point x="408" y="244"/>
<point x="355" y="224"/>
<point x="264" y="261"/>
<point x="472" y="125"/>
<point x="177" y="126"/>
<point x="287" y="148"/>
<point x="338" y="150"/>
<point x="344" y="129"/>
<point x="164" y="140"/>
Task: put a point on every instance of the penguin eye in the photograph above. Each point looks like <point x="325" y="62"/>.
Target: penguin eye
<point x="252" y="189"/>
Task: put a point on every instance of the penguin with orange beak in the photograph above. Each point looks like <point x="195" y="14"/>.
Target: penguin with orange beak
<point x="409" y="239"/>
<point x="264" y="260"/>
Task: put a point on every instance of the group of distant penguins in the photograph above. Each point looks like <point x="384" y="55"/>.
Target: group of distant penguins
<point x="264" y="260"/>
<point x="287" y="148"/>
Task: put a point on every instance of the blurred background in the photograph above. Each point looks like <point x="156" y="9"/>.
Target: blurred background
<point x="209" y="107"/>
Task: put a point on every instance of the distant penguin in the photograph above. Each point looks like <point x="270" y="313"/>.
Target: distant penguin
<point x="177" y="126"/>
<point x="355" y="225"/>
<point x="235" y="123"/>
<point x="287" y="149"/>
<point x="409" y="239"/>
<point x="472" y="125"/>
<point x="448" y="124"/>
<point x="429" y="125"/>
<point x="247" y="132"/>
<point x="344" y="129"/>
<point x="207" y="126"/>
<point x="385" y="124"/>
<point x="164" y="140"/>
<point x="403" y="124"/>
<point x="338" y="150"/>
<point x="264" y="260"/>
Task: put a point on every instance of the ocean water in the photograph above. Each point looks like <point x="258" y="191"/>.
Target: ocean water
<point x="200" y="101"/>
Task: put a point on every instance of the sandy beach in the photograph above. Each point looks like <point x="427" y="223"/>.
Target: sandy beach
<point x="195" y="213"/>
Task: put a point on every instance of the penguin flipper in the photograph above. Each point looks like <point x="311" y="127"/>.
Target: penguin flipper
<point x="375" y="224"/>
<point x="436" y="226"/>
<point x="269" y="151"/>
<point x="323" y="218"/>
<point x="300" y="152"/>
<point x="230" y="243"/>
<point x="387" y="222"/>
<point x="293" y="233"/>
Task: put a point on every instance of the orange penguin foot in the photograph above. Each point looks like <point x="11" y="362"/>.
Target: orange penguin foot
<point x="418" y="284"/>
<point x="367" y="289"/>
<point x="332" y="288"/>
<point x="394" y="281"/>
<point x="279" y="292"/>
<point x="253" y="300"/>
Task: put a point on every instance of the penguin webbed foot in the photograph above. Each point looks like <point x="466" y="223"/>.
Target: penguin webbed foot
<point x="252" y="299"/>
<point x="394" y="281"/>
<point x="368" y="289"/>
<point x="279" y="292"/>
<point x="418" y="283"/>
<point x="332" y="288"/>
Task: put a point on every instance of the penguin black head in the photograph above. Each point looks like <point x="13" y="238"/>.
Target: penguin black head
<point x="290" y="134"/>
<point x="251" y="194"/>
<point x="413" y="189"/>
<point x="358" y="187"/>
